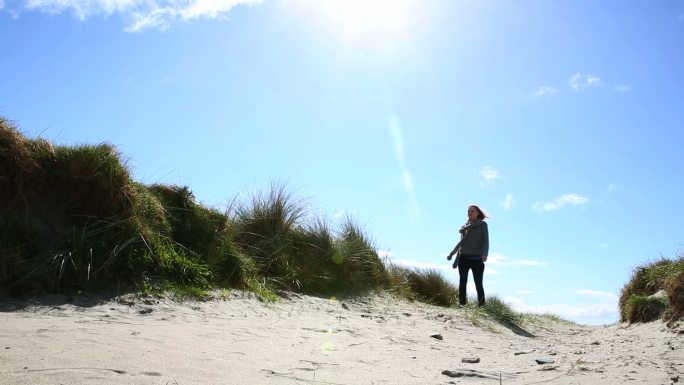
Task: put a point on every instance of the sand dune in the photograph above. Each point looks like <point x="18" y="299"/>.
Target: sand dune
<point x="309" y="340"/>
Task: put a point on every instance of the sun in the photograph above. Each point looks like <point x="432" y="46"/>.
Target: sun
<point x="365" y="22"/>
<point x="358" y="18"/>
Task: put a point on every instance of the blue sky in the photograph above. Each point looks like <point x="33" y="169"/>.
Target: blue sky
<point x="562" y="119"/>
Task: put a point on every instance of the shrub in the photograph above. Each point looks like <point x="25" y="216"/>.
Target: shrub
<point x="640" y="308"/>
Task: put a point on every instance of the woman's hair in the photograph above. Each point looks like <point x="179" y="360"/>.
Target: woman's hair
<point x="480" y="214"/>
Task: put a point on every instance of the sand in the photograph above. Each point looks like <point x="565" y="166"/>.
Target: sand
<point x="308" y="340"/>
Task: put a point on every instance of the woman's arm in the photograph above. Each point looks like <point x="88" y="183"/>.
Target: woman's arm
<point x="485" y="242"/>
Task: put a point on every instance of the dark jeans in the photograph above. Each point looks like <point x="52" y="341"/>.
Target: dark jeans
<point x="465" y="264"/>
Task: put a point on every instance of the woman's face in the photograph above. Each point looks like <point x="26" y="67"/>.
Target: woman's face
<point x="472" y="213"/>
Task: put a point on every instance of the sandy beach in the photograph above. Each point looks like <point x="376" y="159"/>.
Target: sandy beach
<point x="299" y="339"/>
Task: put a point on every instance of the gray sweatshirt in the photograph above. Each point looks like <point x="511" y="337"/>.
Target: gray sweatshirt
<point x="476" y="240"/>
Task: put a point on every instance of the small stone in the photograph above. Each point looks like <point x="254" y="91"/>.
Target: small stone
<point x="596" y="343"/>
<point x="407" y="314"/>
<point x="544" y="360"/>
<point x="470" y="360"/>
<point x="7" y="347"/>
<point x="524" y="352"/>
<point x="437" y="336"/>
<point x="145" y="311"/>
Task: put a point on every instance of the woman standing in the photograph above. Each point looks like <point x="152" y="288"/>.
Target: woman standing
<point x="471" y="253"/>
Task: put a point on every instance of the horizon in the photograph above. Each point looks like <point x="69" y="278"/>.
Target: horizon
<point x="562" y="121"/>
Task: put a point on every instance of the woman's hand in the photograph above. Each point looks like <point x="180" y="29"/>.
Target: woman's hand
<point x="484" y="258"/>
<point x="449" y="257"/>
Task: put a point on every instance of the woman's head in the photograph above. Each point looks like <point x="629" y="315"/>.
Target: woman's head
<point x="475" y="212"/>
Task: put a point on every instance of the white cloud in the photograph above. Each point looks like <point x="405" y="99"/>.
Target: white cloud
<point x="385" y="254"/>
<point x="613" y="187"/>
<point x="500" y="259"/>
<point x="139" y="14"/>
<point x="159" y="18"/>
<point x="572" y="199"/>
<point x="529" y="262"/>
<point x="507" y="202"/>
<point x="546" y="91"/>
<point x="344" y="214"/>
<point x="623" y="88"/>
<point x="578" y="81"/>
<point x="489" y="174"/>
<point x="597" y="313"/>
<point x="82" y="9"/>
<point x="445" y="268"/>
<point x="418" y="264"/>
<point x="596" y="293"/>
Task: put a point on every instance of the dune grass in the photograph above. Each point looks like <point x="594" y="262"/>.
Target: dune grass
<point x="637" y="301"/>
<point x="72" y="219"/>
<point x="424" y="285"/>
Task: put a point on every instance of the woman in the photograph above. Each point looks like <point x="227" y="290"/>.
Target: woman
<point x="471" y="253"/>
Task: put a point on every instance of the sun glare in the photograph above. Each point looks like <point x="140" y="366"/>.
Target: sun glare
<point x="366" y="21"/>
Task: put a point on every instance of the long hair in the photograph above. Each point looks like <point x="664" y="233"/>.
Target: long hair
<point x="480" y="214"/>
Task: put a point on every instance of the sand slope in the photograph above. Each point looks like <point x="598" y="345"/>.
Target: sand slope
<point x="309" y="340"/>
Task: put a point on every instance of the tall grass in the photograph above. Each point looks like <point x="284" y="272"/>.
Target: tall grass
<point x="266" y="227"/>
<point x="356" y="261"/>
<point x="424" y="285"/>
<point x="648" y="279"/>
<point x="71" y="218"/>
<point x="295" y="250"/>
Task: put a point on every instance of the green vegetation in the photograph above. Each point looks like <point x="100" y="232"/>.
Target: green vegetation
<point x="640" y="308"/>
<point x="501" y="311"/>
<point x="637" y="300"/>
<point x="425" y="285"/>
<point x="72" y="220"/>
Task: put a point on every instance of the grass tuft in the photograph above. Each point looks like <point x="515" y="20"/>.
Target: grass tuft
<point x="648" y="279"/>
<point x="641" y="308"/>
<point x="424" y="285"/>
<point x="502" y="311"/>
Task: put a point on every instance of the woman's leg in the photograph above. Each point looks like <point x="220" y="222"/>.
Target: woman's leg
<point x="463" y="267"/>
<point x="478" y="271"/>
